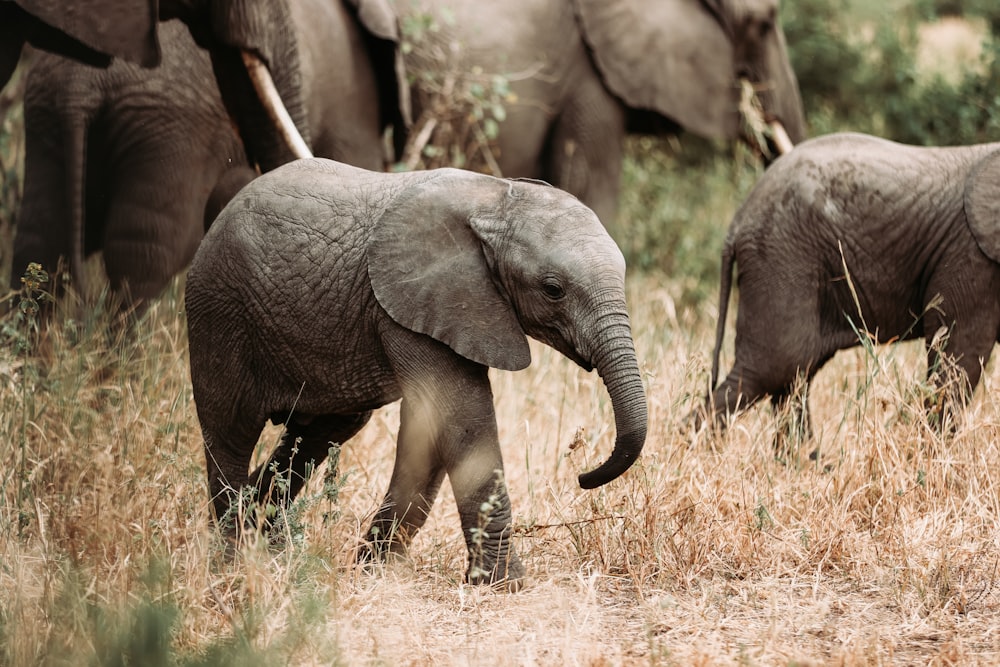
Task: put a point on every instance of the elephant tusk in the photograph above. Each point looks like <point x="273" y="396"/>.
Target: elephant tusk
<point x="780" y="137"/>
<point x="268" y="94"/>
<point x="757" y="129"/>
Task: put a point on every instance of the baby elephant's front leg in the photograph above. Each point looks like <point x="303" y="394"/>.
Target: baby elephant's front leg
<point x="448" y="424"/>
<point x="484" y="508"/>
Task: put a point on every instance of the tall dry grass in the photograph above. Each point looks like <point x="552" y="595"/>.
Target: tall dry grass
<point x="710" y="551"/>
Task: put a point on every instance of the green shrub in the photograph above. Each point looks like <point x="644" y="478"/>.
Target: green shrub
<point x="941" y="113"/>
<point x="857" y="71"/>
<point x="674" y="210"/>
<point x="849" y="65"/>
<point x="985" y="9"/>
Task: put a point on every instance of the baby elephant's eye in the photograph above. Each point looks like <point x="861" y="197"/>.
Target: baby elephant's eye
<point x="552" y="288"/>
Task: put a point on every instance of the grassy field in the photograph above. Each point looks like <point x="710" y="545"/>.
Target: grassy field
<point x="711" y="550"/>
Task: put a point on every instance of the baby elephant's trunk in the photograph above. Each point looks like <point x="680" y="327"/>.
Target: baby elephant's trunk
<point x="617" y="366"/>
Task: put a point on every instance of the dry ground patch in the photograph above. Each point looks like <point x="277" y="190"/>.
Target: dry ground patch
<point x="710" y="551"/>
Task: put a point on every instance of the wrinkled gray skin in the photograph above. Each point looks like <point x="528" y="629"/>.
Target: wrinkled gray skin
<point x="585" y="72"/>
<point x="141" y="159"/>
<point x="322" y="292"/>
<point x="919" y="229"/>
<point x="97" y="30"/>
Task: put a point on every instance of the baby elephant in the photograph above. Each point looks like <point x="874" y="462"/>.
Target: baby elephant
<point x="850" y="233"/>
<point x="323" y="291"/>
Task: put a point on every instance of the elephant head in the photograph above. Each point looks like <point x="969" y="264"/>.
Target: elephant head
<point x="514" y="258"/>
<point x="680" y="58"/>
<point x="255" y="58"/>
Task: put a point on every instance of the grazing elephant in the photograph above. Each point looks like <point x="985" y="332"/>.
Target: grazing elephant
<point x="852" y="233"/>
<point x="323" y="291"/>
<point x="584" y="72"/>
<point x="124" y="159"/>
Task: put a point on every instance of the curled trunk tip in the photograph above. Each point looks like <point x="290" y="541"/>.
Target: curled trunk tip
<point x="626" y="453"/>
<point x="620" y="371"/>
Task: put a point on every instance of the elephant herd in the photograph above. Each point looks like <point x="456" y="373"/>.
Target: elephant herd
<point x="248" y="140"/>
<point x="123" y="159"/>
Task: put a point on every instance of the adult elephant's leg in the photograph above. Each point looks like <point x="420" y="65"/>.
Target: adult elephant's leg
<point x="43" y="232"/>
<point x="523" y="137"/>
<point x="304" y="445"/>
<point x="156" y="216"/>
<point x="584" y="153"/>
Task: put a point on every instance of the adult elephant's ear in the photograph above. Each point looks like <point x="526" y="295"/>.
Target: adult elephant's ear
<point x="429" y="271"/>
<point x="668" y="57"/>
<point x="982" y="204"/>
<point x="678" y="59"/>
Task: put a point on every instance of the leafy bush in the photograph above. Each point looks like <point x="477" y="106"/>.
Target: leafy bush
<point x="848" y="67"/>
<point x="986" y="9"/>
<point x="941" y="113"/>
<point x="675" y="209"/>
<point x="857" y="71"/>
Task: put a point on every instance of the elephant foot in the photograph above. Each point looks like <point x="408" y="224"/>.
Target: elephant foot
<point x="511" y="580"/>
<point x="695" y="420"/>
<point x="498" y="568"/>
<point x="379" y="549"/>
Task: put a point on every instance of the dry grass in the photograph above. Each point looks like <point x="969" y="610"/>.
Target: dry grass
<point x="710" y="551"/>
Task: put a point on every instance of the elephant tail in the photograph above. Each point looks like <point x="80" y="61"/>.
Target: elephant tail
<point x="76" y="155"/>
<point x="725" y="287"/>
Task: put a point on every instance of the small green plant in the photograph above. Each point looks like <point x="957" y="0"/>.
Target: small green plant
<point x="21" y="329"/>
<point x="478" y="534"/>
<point x="763" y="521"/>
<point x="290" y="522"/>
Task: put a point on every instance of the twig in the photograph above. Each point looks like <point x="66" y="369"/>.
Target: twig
<point x="528" y="530"/>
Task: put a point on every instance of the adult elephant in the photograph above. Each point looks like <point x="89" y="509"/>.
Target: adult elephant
<point x="584" y="72"/>
<point x="125" y="160"/>
<point x="251" y="44"/>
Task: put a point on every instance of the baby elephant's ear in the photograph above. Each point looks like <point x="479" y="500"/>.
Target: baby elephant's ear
<point x="428" y="270"/>
<point x="982" y="204"/>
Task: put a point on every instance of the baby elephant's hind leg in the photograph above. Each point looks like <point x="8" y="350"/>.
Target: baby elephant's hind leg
<point x="304" y="445"/>
<point x="416" y="479"/>
<point x="791" y="408"/>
